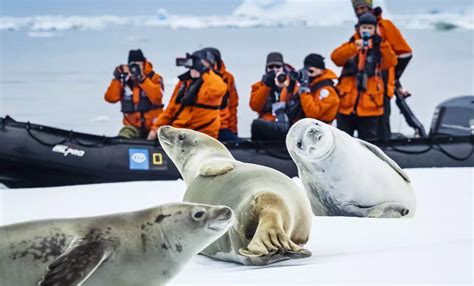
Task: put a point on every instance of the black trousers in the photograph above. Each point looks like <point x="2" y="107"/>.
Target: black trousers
<point x="384" y="131"/>
<point x="366" y="126"/>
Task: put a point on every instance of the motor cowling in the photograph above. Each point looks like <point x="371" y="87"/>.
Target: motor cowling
<point x="454" y="117"/>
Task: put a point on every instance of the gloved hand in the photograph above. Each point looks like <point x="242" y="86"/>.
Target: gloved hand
<point x="269" y="79"/>
<point x="376" y="40"/>
<point x="199" y="66"/>
<point x="118" y="72"/>
<point x="192" y="92"/>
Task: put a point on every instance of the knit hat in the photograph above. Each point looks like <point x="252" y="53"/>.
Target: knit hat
<point x="314" y="60"/>
<point x="136" y="56"/>
<point x="357" y="3"/>
<point x="367" y="19"/>
<point x="274" y="58"/>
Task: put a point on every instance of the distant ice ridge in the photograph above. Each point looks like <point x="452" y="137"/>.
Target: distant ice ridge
<point x="251" y="13"/>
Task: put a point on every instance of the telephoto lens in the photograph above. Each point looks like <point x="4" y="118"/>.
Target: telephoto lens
<point x="281" y="77"/>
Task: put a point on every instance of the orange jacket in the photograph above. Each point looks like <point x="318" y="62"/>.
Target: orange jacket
<point x="153" y="88"/>
<point x="371" y="101"/>
<point x="196" y="117"/>
<point x="387" y="30"/>
<point x="321" y="104"/>
<point x="258" y="100"/>
<point x="229" y="113"/>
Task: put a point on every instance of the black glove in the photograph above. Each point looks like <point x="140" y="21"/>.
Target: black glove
<point x="269" y="79"/>
<point x="376" y="40"/>
<point x="192" y="92"/>
<point x="199" y="66"/>
<point x="118" y="73"/>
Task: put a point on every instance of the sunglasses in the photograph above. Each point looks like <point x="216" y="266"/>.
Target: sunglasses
<point x="274" y="67"/>
<point x="312" y="71"/>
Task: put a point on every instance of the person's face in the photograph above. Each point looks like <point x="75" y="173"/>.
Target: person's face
<point x="276" y="68"/>
<point x="314" y="72"/>
<point x="194" y="73"/>
<point x="361" y="9"/>
<point x="370" y="29"/>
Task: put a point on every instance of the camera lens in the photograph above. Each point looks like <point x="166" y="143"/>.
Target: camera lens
<point x="281" y="78"/>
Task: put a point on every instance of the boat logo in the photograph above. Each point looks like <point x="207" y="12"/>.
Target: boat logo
<point x="138" y="158"/>
<point x="65" y="150"/>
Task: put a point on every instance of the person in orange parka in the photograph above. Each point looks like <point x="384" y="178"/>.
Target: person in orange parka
<point x="389" y="32"/>
<point x="269" y="90"/>
<point x="230" y="102"/>
<point x="361" y="86"/>
<point x="318" y="98"/>
<point x="140" y="91"/>
<point x="196" y="100"/>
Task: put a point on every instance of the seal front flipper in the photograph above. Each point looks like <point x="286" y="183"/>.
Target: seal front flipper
<point x="382" y="156"/>
<point x="216" y="167"/>
<point x="77" y="263"/>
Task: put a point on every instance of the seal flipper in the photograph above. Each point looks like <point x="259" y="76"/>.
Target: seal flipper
<point x="216" y="167"/>
<point x="382" y="156"/>
<point x="77" y="263"/>
<point x="273" y="256"/>
<point x="384" y="210"/>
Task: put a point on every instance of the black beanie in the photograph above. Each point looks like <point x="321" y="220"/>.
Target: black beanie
<point x="367" y="19"/>
<point x="215" y="52"/>
<point x="135" y="56"/>
<point x="314" y="60"/>
<point x="274" y="58"/>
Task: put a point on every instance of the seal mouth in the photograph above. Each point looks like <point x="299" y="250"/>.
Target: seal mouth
<point x="162" y="135"/>
<point x="219" y="224"/>
<point x="222" y="221"/>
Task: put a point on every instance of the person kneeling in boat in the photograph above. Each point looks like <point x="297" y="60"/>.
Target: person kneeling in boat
<point x="139" y="90"/>
<point x="268" y="99"/>
<point x="316" y="96"/>
<point x="361" y="86"/>
<point x="230" y="101"/>
<point x="197" y="98"/>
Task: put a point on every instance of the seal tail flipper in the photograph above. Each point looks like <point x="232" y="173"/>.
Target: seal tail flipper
<point x="273" y="257"/>
<point x="385" y="210"/>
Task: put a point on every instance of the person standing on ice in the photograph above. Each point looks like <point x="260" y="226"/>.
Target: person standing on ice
<point x="230" y="101"/>
<point x="363" y="58"/>
<point x="140" y="91"/>
<point x="391" y="77"/>
<point x="267" y="98"/>
<point x="197" y="98"/>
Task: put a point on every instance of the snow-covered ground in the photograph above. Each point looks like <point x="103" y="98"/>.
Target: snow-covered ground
<point x="433" y="248"/>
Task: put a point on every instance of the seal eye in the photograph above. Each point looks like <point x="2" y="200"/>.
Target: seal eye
<point x="198" y="214"/>
<point x="299" y="144"/>
<point x="180" y="137"/>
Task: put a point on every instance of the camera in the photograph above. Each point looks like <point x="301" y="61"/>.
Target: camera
<point x="186" y="62"/>
<point x="280" y="77"/>
<point x="301" y="76"/>
<point x="365" y="39"/>
<point x="134" y="69"/>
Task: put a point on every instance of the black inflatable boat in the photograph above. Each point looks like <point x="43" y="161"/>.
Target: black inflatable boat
<point x="33" y="155"/>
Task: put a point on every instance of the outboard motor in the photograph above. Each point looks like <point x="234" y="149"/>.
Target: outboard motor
<point x="454" y="117"/>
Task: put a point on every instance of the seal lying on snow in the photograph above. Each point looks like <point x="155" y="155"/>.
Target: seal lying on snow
<point x="345" y="176"/>
<point x="146" y="247"/>
<point x="273" y="215"/>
